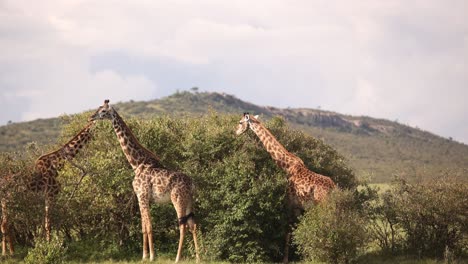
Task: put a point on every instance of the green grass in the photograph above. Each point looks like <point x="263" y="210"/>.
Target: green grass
<point x="369" y="258"/>
<point x="164" y="258"/>
<point x="159" y="260"/>
<point x="399" y="259"/>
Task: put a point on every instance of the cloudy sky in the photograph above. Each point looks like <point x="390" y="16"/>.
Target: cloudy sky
<point x="400" y="60"/>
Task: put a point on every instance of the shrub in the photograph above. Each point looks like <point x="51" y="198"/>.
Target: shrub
<point x="44" y="252"/>
<point x="433" y="215"/>
<point x="333" y="231"/>
<point x="384" y="226"/>
<point x="24" y="208"/>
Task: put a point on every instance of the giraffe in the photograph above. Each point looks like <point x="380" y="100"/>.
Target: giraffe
<point x="47" y="166"/>
<point x="304" y="186"/>
<point x="5" y="182"/>
<point x="43" y="180"/>
<point x="153" y="182"/>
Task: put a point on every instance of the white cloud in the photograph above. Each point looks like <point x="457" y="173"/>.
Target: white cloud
<point x="387" y="59"/>
<point x="51" y="75"/>
<point x="66" y="97"/>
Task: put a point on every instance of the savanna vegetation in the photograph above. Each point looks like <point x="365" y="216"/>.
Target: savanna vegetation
<point x="239" y="201"/>
<point x="375" y="148"/>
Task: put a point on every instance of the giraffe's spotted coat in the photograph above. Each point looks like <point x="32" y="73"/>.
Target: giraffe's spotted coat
<point x="304" y="186"/>
<point x="44" y="178"/>
<point x="152" y="182"/>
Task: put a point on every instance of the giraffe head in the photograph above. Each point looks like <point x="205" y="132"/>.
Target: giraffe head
<point x="246" y="122"/>
<point x="104" y="112"/>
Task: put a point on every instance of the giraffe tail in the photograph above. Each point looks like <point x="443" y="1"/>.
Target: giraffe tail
<point x="183" y="220"/>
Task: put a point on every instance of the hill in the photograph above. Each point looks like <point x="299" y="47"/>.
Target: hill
<point x="375" y="148"/>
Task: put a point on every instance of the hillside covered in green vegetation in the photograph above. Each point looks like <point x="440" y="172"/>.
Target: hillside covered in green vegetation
<point x="377" y="149"/>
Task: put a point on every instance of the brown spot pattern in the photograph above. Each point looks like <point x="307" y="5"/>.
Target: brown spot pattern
<point x="153" y="182"/>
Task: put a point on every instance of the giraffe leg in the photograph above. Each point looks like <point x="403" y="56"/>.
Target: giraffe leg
<point x="293" y="212"/>
<point x="181" y="204"/>
<point x="286" y="247"/>
<point x="193" y="228"/>
<point x="181" y="241"/>
<point x="6" y="235"/>
<point x="4" y="227"/>
<point x="147" y="232"/>
<point x="144" y="202"/>
<point x="12" y="248"/>
<point x="9" y="241"/>
<point x="145" y="239"/>
<point x="3" y="243"/>
<point x="47" y="220"/>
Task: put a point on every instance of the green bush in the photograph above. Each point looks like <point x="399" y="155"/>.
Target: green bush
<point x="433" y="215"/>
<point x="25" y="209"/>
<point x="384" y="226"/>
<point x="44" y="252"/>
<point x="335" y="230"/>
<point x="425" y="219"/>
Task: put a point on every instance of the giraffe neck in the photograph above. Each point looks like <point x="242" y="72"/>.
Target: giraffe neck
<point x="56" y="159"/>
<point x="135" y="153"/>
<point x="283" y="158"/>
<point x="72" y="147"/>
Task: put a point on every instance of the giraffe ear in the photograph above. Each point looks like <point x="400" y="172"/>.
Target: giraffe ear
<point x="256" y="116"/>
<point x="247" y="117"/>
